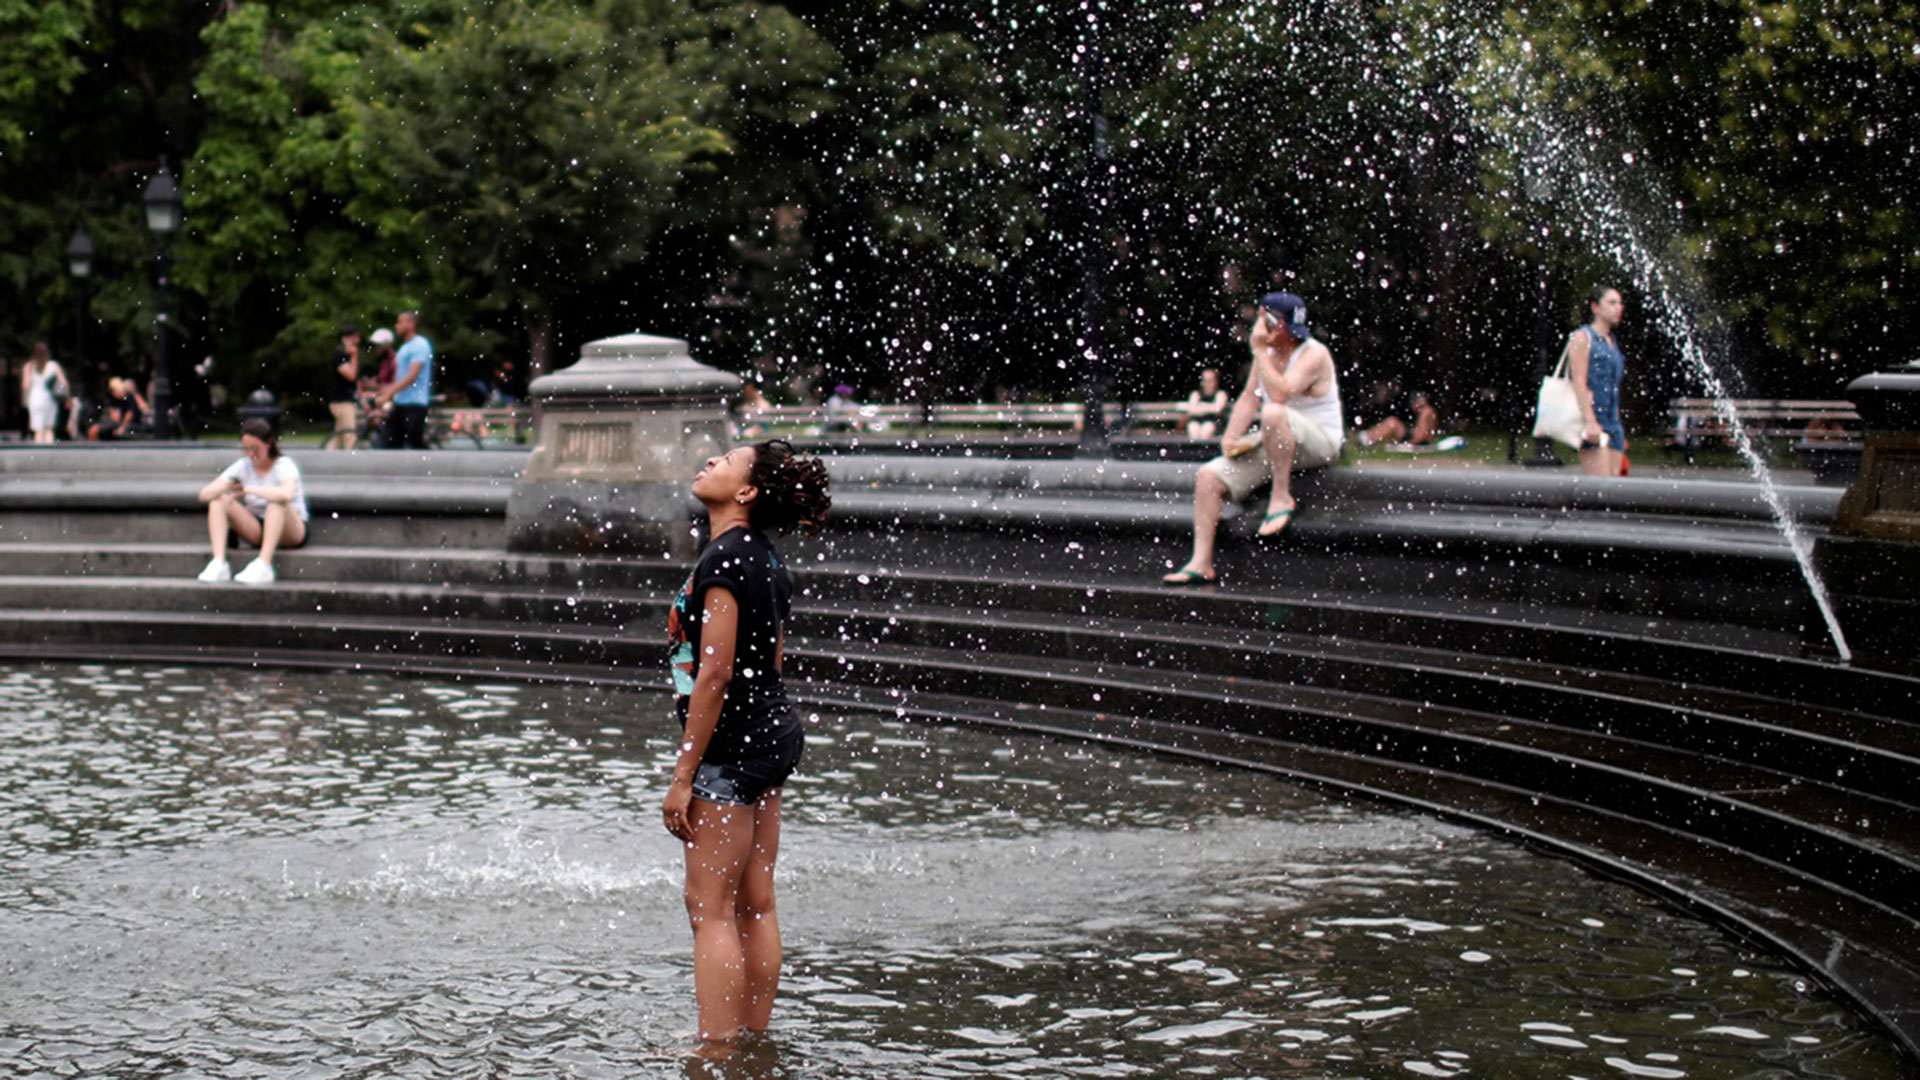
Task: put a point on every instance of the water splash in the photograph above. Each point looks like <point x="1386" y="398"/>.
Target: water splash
<point x="1561" y="168"/>
<point x="1594" y="208"/>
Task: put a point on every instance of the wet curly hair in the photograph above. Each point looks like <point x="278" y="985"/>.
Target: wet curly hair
<point x="793" y="489"/>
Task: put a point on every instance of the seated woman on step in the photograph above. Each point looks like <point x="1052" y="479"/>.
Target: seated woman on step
<point x="261" y="498"/>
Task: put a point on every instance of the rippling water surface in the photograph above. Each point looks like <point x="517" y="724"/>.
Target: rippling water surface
<point x="223" y="872"/>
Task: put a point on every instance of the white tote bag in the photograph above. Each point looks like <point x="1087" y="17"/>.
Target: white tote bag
<point x="1557" y="415"/>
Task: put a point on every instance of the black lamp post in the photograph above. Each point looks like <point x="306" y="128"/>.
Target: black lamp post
<point x="80" y="265"/>
<point x="164" y="213"/>
<point x="1539" y="186"/>
<point x="1093" y="253"/>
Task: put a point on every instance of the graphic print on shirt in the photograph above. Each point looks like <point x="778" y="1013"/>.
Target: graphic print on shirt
<point x="679" y="649"/>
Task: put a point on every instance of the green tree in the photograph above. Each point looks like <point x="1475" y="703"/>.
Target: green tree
<point x="1315" y="147"/>
<point x="294" y="222"/>
<point x="39" y="60"/>
<point x="1760" y="141"/>
<point x="538" y="148"/>
<point x="740" y="243"/>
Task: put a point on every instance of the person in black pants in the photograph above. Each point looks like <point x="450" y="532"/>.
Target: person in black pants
<point x="411" y="388"/>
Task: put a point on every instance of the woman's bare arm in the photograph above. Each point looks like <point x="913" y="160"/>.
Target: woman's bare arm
<point x="713" y="673"/>
<point x="1579" y="352"/>
<point x="220" y="486"/>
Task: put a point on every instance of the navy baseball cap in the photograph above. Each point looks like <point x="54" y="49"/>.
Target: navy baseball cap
<point x="1289" y="309"/>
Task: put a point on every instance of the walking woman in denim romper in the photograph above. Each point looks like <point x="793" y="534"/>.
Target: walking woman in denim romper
<point x="1595" y="366"/>
<point x="726" y="635"/>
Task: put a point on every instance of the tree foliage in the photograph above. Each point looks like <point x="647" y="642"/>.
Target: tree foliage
<point x="1767" y="141"/>
<point x="537" y="149"/>
<point x="901" y="192"/>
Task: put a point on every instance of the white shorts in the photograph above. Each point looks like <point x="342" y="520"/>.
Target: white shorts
<point x="1313" y="448"/>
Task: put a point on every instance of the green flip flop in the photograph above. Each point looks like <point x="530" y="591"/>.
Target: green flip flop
<point x="1187" y="576"/>
<point x="1273" y="517"/>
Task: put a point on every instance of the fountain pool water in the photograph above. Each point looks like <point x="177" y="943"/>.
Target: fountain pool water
<point x="370" y="876"/>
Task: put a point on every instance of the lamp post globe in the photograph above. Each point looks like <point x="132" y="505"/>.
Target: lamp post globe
<point x="80" y="255"/>
<point x="164" y="208"/>
<point x="165" y="212"/>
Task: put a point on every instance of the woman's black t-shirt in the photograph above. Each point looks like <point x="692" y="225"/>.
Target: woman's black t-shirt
<point x="756" y="712"/>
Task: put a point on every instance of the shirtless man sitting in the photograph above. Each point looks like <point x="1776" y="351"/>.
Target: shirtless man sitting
<point x="1294" y="393"/>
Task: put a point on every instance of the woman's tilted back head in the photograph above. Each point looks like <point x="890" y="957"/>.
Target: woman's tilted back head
<point x="792" y="489"/>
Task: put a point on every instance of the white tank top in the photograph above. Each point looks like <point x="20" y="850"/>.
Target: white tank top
<point x="1322" y="409"/>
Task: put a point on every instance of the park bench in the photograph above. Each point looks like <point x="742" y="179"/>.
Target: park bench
<point x="1826" y="435"/>
<point x="1022" y="417"/>
<point x="457" y="425"/>
<point x="453" y="425"/>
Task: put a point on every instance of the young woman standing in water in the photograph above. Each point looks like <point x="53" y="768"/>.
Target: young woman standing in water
<point x="742" y="737"/>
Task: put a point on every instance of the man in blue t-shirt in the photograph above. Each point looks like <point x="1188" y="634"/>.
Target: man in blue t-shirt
<point x="412" y="383"/>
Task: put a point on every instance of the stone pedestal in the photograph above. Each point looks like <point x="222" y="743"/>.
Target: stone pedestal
<point x="617" y="440"/>
<point x="1871" y="560"/>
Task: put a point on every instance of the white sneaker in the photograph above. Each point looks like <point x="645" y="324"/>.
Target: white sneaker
<point x="256" y="573"/>
<point x="217" y="571"/>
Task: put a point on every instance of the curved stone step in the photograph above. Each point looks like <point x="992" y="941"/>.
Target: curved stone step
<point x="1660" y="785"/>
<point x="1876" y="756"/>
<point x="1872" y="754"/>
<point x="1607" y="647"/>
<point x="1709" y="654"/>
<point x="1683" y="652"/>
<point x="1595" y="769"/>
<point x="531" y="605"/>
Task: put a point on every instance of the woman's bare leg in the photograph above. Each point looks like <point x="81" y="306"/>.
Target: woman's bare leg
<point x="226" y="515"/>
<point x="717" y="860"/>
<point x="217" y="525"/>
<point x="1599" y="461"/>
<point x="1425" y="426"/>
<point x="757" y="917"/>
<point x="1392" y="429"/>
<point x="282" y="526"/>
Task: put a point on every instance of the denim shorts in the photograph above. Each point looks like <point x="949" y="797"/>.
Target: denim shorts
<point x="743" y="783"/>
